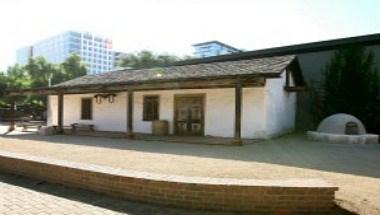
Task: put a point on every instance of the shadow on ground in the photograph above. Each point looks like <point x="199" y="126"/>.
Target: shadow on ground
<point x="291" y="150"/>
<point x="116" y="205"/>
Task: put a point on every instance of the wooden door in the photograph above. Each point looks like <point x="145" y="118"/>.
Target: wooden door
<point x="189" y="115"/>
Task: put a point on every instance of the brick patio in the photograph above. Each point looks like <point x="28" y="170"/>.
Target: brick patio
<point x="20" y="195"/>
<point x="307" y="196"/>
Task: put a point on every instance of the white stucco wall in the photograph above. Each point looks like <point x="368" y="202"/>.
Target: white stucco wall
<point x="280" y="107"/>
<point x="52" y="103"/>
<point x="219" y="111"/>
<point x="253" y="123"/>
<point x="106" y="116"/>
<point x="266" y="111"/>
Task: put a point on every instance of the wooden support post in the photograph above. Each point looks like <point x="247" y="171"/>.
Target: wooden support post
<point x="238" y="97"/>
<point x="130" y="133"/>
<point x="12" y="123"/>
<point x="60" y="114"/>
<point x="287" y="78"/>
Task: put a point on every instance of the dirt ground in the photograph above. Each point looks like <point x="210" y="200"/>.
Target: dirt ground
<point x="355" y="169"/>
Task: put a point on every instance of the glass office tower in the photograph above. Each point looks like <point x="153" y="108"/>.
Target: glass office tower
<point x="96" y="52"/>
<point x="213" y="48"/>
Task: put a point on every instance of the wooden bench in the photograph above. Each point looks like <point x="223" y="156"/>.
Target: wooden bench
<point x="76" y="126"/>
<point x="31" y="124"/>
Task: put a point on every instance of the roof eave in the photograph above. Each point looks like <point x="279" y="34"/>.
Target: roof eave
<point x="156" y="84"/>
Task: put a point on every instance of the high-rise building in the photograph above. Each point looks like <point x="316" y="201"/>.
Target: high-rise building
<point x="23" y="55"/>
<point x="96" y="52"/>
<point x="213" y="48"/>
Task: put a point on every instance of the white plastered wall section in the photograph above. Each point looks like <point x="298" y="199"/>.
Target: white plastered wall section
<point x="106" y="116"/>
<point x="280" y="107"/>
<point x="219" y="111"/>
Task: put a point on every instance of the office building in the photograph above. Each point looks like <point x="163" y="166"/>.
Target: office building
<point x="96" y="52"/>
<point x="213" y="48"/>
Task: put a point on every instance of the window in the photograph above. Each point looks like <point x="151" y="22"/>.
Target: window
<point x="150" y="108"/>
<point x="86" y="109"/>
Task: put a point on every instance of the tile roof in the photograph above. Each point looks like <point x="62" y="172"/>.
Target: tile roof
<point x="256" y="66"/>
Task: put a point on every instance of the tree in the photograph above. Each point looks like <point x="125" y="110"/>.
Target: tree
<point x="3" y="87"/>
<point x="71" y="68"/>
<point x="351" y="85"/>
<point x="14" y="78"/>
<point x="40" y="71"/>
<point x="37" y="74"/>
<point x="17" y="78"/>
<point x="43" y="73"/>
<point x="146" y="59"/>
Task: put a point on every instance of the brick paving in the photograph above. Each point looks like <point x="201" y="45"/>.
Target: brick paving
<point x="292" y="156"/>
<point x="200" y="193"/>
<point x="20" y="195"/>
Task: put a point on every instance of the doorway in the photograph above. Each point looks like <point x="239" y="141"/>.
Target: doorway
<point x="189" y="114"/>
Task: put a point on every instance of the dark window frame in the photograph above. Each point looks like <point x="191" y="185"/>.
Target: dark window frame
<point x="88" y="115"/>
<point x="149" y="109"/>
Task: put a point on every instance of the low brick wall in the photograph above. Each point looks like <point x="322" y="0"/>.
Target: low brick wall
<point x="306" y="196"/>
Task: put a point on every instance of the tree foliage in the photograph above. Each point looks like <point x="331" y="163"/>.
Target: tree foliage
<point x="36" y="74"/>
<point x="14" y="78"/>
<point x="3" y="87"/>
<point x="351" y="85"/>
<point x="71" y="68"/>
<point x="3" y="84"/>
<point x="146" y="59"/>
<point x="40" y="71"/>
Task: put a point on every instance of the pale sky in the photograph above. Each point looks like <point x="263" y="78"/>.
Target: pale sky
<point x="172" y="26"/>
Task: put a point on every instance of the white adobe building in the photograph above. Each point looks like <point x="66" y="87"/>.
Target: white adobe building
<point x="251" y="98"/>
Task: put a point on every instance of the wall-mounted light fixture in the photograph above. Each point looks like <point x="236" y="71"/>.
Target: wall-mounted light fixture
<point x="109" y="96"/>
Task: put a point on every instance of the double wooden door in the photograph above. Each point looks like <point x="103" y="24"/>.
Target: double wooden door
<point x="189" y="114"/>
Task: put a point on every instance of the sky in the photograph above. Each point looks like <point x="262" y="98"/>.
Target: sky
<point x="172" y="26"/>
